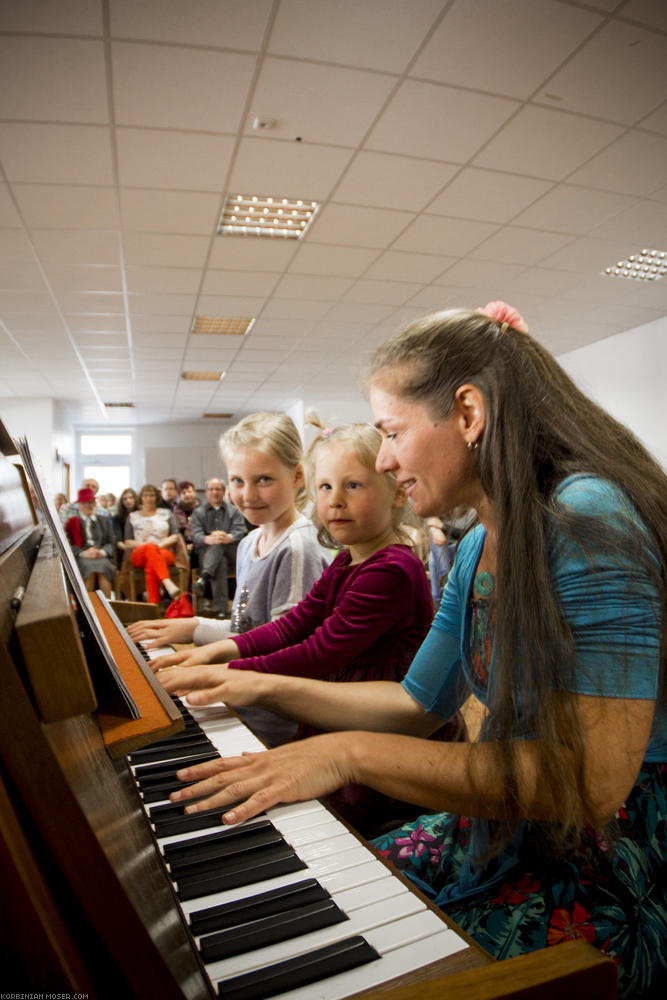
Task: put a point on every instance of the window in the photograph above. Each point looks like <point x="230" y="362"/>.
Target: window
<point x="106" y="457"/>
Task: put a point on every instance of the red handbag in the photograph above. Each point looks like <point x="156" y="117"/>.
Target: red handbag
<point x="180" y="607"/>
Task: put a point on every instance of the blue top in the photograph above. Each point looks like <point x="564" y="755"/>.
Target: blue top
<point x="611" y="604"/>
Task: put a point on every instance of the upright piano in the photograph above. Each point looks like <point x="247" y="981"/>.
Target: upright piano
<point x="90" y="902"/>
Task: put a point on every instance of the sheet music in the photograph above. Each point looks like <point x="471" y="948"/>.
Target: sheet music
<point x="53" y="522"/>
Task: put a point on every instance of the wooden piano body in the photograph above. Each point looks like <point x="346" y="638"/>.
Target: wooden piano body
<point x="87" y="906"/>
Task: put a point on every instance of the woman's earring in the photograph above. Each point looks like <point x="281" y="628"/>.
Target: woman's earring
<point x="472" y="445"/>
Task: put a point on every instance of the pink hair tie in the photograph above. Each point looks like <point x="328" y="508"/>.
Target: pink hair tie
<point x="506" y="315"/>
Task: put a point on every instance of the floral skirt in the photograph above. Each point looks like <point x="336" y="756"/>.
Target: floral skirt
<point x="615" y="899"/>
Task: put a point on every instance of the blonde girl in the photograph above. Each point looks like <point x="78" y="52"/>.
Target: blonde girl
<point x="278" y="562"/>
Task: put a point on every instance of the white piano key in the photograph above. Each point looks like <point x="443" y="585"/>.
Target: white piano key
<point x="431" y="948"/>
<point x="392" y="918"/>
<point x="360" y="922"/>
<point x="338" y="881"/>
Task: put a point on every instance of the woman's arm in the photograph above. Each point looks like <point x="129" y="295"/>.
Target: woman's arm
<point x="456" y="777"/>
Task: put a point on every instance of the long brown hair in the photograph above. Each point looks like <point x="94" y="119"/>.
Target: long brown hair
<point x="539" y="429"/>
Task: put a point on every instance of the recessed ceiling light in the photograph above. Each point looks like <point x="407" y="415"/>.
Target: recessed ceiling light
<point x="119" y="404"/>
<point x="263" y="215"/>
<point x="203" y="376"/>
<point x="218" y="416"/>
<point x="647" y="265"/>
<point x="235" y="326"/>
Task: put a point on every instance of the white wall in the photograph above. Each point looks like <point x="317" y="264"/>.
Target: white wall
<point x="627" y="375"/>
<point x="34" y="419"/>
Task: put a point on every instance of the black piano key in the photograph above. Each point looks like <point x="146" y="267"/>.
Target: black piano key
<point x="181" y="848"/>
<point x="270" y="930"/>
<point x="298" y="971"/>
<point x="162" y="790"/>
<point x="144" y="774"/>
<point x="264" y="904"/>
<point x="187" y="748"/>
<point x="267" y="864"/>
<point x="170" y="825"/>
<point x="214" y="852"/>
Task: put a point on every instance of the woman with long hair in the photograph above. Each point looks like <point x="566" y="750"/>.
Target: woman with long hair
<point x="553" y="824"/>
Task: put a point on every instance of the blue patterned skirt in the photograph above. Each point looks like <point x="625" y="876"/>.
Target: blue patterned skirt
<point x="613" y="898"/>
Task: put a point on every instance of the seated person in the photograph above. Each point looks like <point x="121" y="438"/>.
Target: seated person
<point x="150" y="536"/>
<point x="92" y="543"/>
<point x="217" y="526"/>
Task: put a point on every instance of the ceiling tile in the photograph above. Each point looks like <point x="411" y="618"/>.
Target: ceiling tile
<point x="80" y="17"/>
<point x="165" y="251"/>
<point x="487" y="195"/>
<point x="635" y="164"/>
<point x="162" y="305"/>
<point x="588" y="256"/>
<point x="438" y="122"/>
<point x="295" y="309"/>
<point x="70" y="85"/>
<point x="87" y="322"/>
<point x="248" y="253"/>
<point x="500" y="35"/>
<point x="385" y="180"/>
<point x="187" y="160"/>
<point x="592" y="84"/>
<point x="359" y="312"/>
<point x="169" y="211"/>
<point x="56" y="154"/>
<point x="172" y="87"/>
<point x="436" y="234"/>
<point x="172" y="280"/>
<point x="93" y="303"/>
<point x="483" y="273"/>
<point x="254" y="284"/>
<point x="396" y="266"/>
<point x="373" y="33"/>
<point x="546" y="143"/>
<point x="80" y="247"/>
<point x="318" y="103"/>
<point x="344" y="262"/>
<point x="229" y="305"/>
<point x="657" y="121"/>
<point x="318" y="287"/>
<point x="521" y="246"/>
<point x="353" y="224"/>
<point x="569" y="209"/>
<point x="9" y="216"/>
<point x="287" y="169"/>
<point x="382" y="292"/>
<point x="14" y="246"/>
<point x="648" y="11"/>
<point x="222" y="23"/>
<point x="64" y="206"/>
<point x="644" y="224"/>
<point x="23" y="275"/>
<point x="145" y="325"/>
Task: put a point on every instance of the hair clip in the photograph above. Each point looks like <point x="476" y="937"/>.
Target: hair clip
<point x="505" y="315"/>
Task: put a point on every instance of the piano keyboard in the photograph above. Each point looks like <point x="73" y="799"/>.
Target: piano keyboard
<point x="289" y="903"/>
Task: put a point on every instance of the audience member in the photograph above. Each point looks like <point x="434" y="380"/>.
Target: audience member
<point x="150" y="535"/>
<point x="168" y="494"/>
<point x="188" y="501"/>
<point x="92" y="543"/>
<point x="217" y="527"/>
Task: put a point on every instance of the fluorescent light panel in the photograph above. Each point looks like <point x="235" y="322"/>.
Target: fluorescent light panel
<point x="218" y="416"/>
<point x="202" y="376"/>
<point x="234" y="326"/>
<point x="266" y="216"/>
<point x="647" y="265"/>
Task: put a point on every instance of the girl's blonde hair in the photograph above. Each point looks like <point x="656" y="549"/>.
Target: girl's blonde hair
<point x="364" y="441"/>
<point x="273" y="434"/>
